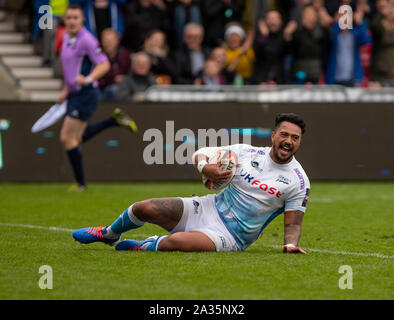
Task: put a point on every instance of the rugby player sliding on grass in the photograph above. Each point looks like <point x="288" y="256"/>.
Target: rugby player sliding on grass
<point x="267" y="182"/>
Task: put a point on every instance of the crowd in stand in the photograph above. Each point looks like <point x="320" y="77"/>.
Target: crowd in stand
<point x="209" y="42"/>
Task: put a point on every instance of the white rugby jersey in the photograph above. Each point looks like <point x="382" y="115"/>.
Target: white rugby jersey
<point x="260" y="190"/>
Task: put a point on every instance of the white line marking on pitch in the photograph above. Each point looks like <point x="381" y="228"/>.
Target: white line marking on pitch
<point x="360" y="254"/>
<point x="29" y="226"/>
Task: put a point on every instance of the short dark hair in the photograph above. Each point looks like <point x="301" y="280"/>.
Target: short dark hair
<point x="290" y="117"/>
<point x="75" y="6"/>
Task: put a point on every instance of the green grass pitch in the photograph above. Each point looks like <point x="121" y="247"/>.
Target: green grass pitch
<point x="345" y="224"/>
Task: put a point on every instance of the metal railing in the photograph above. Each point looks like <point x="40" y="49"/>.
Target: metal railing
<point x="265" y="94"/>
<point x="15" y="80"/>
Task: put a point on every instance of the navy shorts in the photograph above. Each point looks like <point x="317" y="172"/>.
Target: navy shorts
<point x="82" y="104"/>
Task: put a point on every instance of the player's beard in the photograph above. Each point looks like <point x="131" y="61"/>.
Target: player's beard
<point x="279" y="159"/>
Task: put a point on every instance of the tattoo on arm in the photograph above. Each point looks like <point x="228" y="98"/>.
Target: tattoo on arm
<point x="292" y="233"/>
<point x="293" y="223"/>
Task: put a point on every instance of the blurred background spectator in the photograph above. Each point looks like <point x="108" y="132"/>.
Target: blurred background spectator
<point x="137" y="80"/>
<point x="119" y="59"/>
<point x="141" y="18"/>
<point x="216" y="14"/>
<point x="290" y="11"/>
<point x="191" y="58"/>
<point x="240" y="57"/>
<point x="271" y="41"/>
<point x="36" y="30"/>
<point x="325" y="19"/>
<point x="247" y="21"/>
<point x="102" y="14"/>
<point x="309" y="43"/>
<point x="184" y="12"/>
<point x="344" y="64"/>
<point x="219" y="55"/>
<point x="49" y="48"/>
<point x="383" y="35"/>
<point x="270" y="51"/>
<point x="156" y="46"/>
<point x="59" y="34"/>
<point x="211" y="74"/>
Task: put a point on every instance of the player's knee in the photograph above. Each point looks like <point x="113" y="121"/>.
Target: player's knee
<point x="184" y="241"/>
<point x="63" y="138"/>
<point x="68" y="142"/>
<point x="173" y="242"/>
<point x="141" y="209"/>
<point x="188" y="242"/>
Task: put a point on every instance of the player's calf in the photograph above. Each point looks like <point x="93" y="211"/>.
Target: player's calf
<point x="181" y="241"/>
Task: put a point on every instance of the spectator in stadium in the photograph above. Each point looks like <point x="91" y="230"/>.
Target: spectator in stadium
<point x="102" y="14"/>
<point x="119" y="59"/>
<point x="270" y="51"/>
<point x="216" y="14"/>
<point x="137" y="80"/>
<point x="184" y="12"/>
<point x="219" y="55"/>
<point x="381" y="7"/>
<point x="156" y="46"/>
<point x="344" y="63"/>
<point x="141" y="18"/>
<point x="191" y="58"/>
<point x="290" y="11"/>
<point x="332" y="7"/>
<point x="211" y="74"/>
<point x="325" y="19"/>
<point x="365" y="7"/>
<point x="36" y="30"/>
<point x="383" y="36"/>
<point x="49" y="50"/>
<point x="246" y="21"/>
<point x="83" y="64"/>
<point x="59" y="35"/>
<point x="240" y="57"/>
<point x="234" y="218"/>
<point x="58" y="43"/>
<point x="309" y="44"/>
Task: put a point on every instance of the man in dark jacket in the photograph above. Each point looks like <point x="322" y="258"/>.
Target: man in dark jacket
<point x="118" y="57"/>
<point x="216" y="15"/>
<point x="308" y="46"/>
<point x="270" y="51"/>
<point x="191" y="59"/>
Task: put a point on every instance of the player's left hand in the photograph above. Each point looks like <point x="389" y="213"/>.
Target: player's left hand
<point x="82" y="80"/>
<point x="293" y="249"/>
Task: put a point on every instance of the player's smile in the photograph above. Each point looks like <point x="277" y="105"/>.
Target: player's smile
<point x="286" y="150"/>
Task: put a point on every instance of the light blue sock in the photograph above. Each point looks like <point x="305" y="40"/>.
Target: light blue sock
<point x="126" y="221"/>
<point x="154" y="245"/>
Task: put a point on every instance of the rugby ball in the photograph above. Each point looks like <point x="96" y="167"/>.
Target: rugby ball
<point x="228" y="161"/>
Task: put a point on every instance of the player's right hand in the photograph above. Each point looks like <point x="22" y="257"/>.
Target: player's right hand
<point x="62" y="96"/>
<point x="213" y="172"/>
<point x="293" y="249"/>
